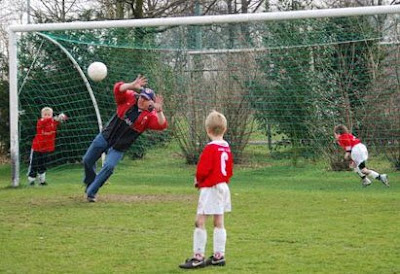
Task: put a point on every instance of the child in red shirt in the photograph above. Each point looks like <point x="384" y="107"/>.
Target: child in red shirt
<point x="358" y="153"/>
<point x="43" y="143"/>
<point x="214" y="170"/>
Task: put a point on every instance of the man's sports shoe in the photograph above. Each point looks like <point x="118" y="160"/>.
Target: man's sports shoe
<point x="43" y="184"/>
<point x="31" y="183"/>
<point x="91" y="199"/>
<point x="193" y="263"/>
<point x="215" y="262"/>
<point x="384" y="179"/>
<point x="366" y="182"/>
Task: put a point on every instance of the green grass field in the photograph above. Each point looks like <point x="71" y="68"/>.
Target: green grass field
<point x="285" y="220"/>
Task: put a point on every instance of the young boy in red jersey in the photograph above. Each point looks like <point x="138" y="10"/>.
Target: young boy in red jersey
<point x="357" y="152"/>
<point x="214" y="170"/>
<point x="43" y="144"/>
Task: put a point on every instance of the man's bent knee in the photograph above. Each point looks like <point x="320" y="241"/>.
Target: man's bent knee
<point x="107" y="167"/>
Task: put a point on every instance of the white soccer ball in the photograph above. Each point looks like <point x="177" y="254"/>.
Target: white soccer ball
<point x="97" y="71"/>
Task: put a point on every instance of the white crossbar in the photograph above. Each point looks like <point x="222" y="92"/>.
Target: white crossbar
<point x="211" y="19"/>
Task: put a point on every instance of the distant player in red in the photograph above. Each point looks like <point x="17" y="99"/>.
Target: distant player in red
<point x="358" y="154"/>
<point x="43" y="144"/>
<point x="214" y="170"/>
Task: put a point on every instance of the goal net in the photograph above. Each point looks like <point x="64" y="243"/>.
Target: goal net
<point x="283" y="80"/>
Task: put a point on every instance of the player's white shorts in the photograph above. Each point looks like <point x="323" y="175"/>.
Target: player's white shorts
<point x="359" y="154"/>
<point x="214" y="200"/>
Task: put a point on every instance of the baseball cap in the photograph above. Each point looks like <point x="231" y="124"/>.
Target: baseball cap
<point x="147" y="93"/>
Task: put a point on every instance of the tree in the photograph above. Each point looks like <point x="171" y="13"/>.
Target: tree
<point x="214" y="81"/>
<point x="44" y="11"/>
<point x="4" y="108"/>
<point x="284" y="93"/>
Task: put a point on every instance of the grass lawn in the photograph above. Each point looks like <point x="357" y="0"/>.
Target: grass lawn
<point x="285" y="220"/>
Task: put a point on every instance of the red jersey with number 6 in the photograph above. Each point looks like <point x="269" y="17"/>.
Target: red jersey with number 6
<point x="215" y="164"/>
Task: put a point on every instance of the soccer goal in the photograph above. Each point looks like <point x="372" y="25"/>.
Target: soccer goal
<point x="290" y="76"/>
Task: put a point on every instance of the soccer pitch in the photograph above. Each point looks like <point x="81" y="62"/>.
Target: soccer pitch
<point x="285" y="220"/>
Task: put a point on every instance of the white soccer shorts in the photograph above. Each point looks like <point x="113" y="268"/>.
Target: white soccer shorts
<point x="359" y="154"/>
<point x="214" y="200"/>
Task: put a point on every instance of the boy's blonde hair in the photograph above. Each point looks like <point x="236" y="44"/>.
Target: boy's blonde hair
<point x="216" y="123"/>
<point x="340" y="129"/>
<point x="46" y="109"/>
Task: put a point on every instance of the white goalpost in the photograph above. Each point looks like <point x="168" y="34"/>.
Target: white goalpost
<point x="15" y="30"/>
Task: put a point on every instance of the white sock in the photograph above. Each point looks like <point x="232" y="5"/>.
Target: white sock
<point x="42" y="177"/>
<point x="373" y="174"/>
<point x="199" y="242"/>
<point x="31" y="179"/>
<point x="219" y="242"/>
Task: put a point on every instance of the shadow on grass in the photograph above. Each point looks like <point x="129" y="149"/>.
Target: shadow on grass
<point x="10" y="187"/>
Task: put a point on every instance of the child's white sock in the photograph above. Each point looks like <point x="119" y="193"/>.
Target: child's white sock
<point x="373" y="174"/>
<point x="42" y="177"/>
<point x="219" y="242"/>
<point x="199" y="242"/>
<point x="31" y="179"/>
